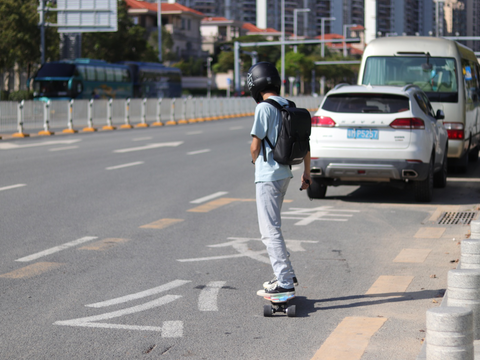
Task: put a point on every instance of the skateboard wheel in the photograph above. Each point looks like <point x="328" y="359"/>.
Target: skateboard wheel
<point x="291" y="311"/>
<point x="267" y="311"/>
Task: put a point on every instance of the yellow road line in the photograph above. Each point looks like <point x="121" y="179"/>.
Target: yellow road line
<point x="215" y="204"/>
<point x="390" y="284"/>
<point x="430" y="233"/>
<point x="31" y="270"/>
<point x="412" y="255"/>
<point x="161" y="224"/>
<point x="103" y="244"/>
<point x="350" y="339"/>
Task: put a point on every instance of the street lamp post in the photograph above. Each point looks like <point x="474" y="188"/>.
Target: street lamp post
<point x="209" y="75"/>
<point x="323" y="19"/>
<point x="159" y="25"/>
<point x="295" y="23"/>
<point x="345" y="27"/>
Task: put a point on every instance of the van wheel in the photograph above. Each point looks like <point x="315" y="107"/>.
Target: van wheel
<point x="423" y="189"/>
<point x="317" y="189"/>
<point x="440" y="178"/>
<point x="473" y="154"/>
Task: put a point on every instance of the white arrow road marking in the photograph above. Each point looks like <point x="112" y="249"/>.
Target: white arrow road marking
<point x="309" y="215"/>
<point x="198" y="152"/>
<point x="240" y="244"/>
<point x="91" y="321"/>
<point x="57" y="249"/>
<point x="207" y="301"/>
<point x="150" y="146"/>
<point x="10" y="146"/>
<point x="12" y="187"/>
<point x="141" y="294"/>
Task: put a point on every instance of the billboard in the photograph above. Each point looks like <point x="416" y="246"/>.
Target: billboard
<point x="76" y="16"/>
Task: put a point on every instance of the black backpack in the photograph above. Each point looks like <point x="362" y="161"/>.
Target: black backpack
<point x="294" y="136"/>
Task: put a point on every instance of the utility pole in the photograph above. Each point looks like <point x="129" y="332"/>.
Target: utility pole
<point x="42" y="30"/>
<point x="159" y="24"/>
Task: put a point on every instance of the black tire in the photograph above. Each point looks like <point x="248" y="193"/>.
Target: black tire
<point x="423" y="189"/>
<point x="317" y="189"/>
<point x="462" y="165"/>
<point x="440" y="178"/>
<point x="267" y="310"/>
<point x="473" y="155"/>
<point x="292" y="311"/>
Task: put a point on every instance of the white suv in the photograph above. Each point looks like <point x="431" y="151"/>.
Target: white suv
<point x="364" y="134"/>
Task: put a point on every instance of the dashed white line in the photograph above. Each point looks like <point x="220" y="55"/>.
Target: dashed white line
<point x="57" y="249"/>
<point x="124" y="165"/>
<point x="207" y="301"/>
<point x="150" y="146"/>
<point x="198" y="152"/>
<point x="12" y="187"/>
<point x="63" y="148"/>
<point x="142" y="138"/>
<point x="194" y="132"/>
<point x="209" y="197"/>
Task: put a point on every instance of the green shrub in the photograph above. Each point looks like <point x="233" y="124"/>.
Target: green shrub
<point x="20" y="95"/>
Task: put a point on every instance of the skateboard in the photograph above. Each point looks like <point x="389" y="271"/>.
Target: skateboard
<point x="279" y="303"/>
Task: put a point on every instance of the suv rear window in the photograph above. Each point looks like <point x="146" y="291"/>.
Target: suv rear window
<point x="366" y="103"/>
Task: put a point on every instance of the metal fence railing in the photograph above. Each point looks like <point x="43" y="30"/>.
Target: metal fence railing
<point x="19" y="118"/>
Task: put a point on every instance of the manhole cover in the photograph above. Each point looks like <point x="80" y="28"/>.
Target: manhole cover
<point x="457" y="218"/>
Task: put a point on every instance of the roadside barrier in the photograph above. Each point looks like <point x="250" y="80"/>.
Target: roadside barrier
<point x="475" y="229"/>
<point x="449" y="334"/>
<point x="19" y="118"/>
<point x="470" y="254"/>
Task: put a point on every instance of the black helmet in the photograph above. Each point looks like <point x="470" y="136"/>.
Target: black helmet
<point x="263" y="76"/>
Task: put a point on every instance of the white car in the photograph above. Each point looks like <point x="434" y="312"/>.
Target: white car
<point x="364" y="134"/>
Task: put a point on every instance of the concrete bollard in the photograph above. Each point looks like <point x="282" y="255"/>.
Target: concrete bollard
<point x="449" y="334"/>
<point x="470" y="254"/>
<point x="475" y="229"/>
<point x="464" y="291"/>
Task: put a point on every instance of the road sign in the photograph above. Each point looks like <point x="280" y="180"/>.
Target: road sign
<point x="75" y="16"/>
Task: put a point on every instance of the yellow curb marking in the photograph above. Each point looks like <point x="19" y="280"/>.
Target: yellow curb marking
<point x="31" y="270"/>
<point x="350" y="339"/>
<point x="429" y="233"/>
<point x="215" y="204"/>
<point x="103" y="244"/>
<point x="390" y="285"/>
<point x="412" y="255"/>
<point x="161" y="224"/>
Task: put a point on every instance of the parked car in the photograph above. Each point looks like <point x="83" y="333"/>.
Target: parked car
<point x="364" y="134"/>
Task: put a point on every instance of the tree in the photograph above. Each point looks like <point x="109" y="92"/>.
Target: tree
<point x="129" y="42"/>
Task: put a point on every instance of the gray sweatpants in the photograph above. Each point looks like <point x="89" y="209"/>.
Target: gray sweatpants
<point x="270" y="195"/>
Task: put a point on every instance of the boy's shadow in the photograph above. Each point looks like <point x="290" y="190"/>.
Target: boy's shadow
<point x="306" y="306"/>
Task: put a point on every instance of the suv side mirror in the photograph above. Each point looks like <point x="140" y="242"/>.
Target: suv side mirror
<point x="440" y="115"/>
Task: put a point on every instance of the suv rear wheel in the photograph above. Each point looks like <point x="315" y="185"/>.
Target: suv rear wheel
<point x="317" y="189"/>
<point x="423" y="189"/>
<point x="440" y="178"/>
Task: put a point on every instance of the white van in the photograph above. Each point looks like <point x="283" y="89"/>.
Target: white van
<point x="446" y="71"/>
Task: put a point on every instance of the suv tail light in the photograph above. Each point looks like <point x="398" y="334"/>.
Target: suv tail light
<point x="408" y="123"/>
<point x="454" y="130"/>
<point x="322" y="121"/>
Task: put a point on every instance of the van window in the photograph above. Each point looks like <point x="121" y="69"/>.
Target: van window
<point x="366" y="103"/>
<point x="402" y="70"/>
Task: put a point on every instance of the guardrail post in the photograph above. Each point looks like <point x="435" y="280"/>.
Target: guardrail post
<point x="20" y="133"/>
<point x="159" y="113"/>
<point x="127" y="116"/>
<point x="201" y="113"/>
<point x="184" y="112"/>
<point x="449" y="333"/>
<point x="109" y="125"/>
<point x="69" y="129"/>
<point x="193" y="118"/>
<point x="172" y="114"/>
<point x="475" y="229"/>
<point x="90" y="127"/>
<point x="470" y="254"/>
<point x="46" y="120"/>
<point x="143" y="124"/>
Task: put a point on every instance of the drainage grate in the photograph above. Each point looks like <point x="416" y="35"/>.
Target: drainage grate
<point x="457" y="218"/>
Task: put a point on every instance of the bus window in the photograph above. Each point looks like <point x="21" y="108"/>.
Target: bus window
<point x="468" y="70"/>
<point x="82" y="71"/>
<point x="90" y="73"/>
<point x="100" y="73"/>
<point x="56" y="70"/>
<point x="118" y="75"/>
<point x="125" y="75"/>
<point x="110" y="74"/>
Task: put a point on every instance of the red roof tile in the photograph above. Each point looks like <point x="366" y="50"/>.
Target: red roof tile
<point x="166" y="7"/>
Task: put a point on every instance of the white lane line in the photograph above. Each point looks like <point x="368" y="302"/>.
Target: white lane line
<point x="194" y="132"/>
<point x="12" y="187"/>
<point x="198" y="152"/>
<point x="141" y="294"/>
<point x="150" y="146"/>
<point x="124" y="165"/>
<point x="9" y="146"/>
<point x="57" y="249"/>
<point x="209" y="197"/>
<point x="172" y="329"/>
<point x="207" y="301"/>
<point x="463" y="179"/>
<point x="142" y="138"/>
<point x="63" y="148"/>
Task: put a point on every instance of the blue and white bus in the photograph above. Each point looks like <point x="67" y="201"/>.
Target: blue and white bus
<point x="97" y="79"/>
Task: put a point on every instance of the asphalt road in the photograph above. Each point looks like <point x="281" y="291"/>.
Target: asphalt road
<point x="144" y="244"/>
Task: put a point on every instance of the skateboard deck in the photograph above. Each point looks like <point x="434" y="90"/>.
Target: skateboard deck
<point x="278" y="303"/>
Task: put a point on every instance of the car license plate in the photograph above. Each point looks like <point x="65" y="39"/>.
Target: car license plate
<point x="371" y="134"/>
